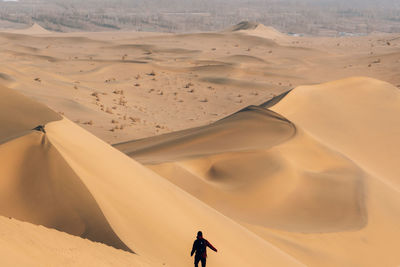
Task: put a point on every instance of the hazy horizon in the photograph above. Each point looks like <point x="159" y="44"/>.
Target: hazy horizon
<point x="311" y="17"/>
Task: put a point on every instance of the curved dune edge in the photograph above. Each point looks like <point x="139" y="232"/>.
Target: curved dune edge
<point x="244" y="130"/>
<point x="25" y="244"/>
<point x="359" y="117"/>
<point x="39" y="187"/>
<point x="135" y="201"/>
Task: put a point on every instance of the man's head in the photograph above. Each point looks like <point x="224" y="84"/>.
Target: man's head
<point x="199" y="234"/>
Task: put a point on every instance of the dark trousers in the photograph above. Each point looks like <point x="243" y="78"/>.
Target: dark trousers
<point x="197" y="259"/>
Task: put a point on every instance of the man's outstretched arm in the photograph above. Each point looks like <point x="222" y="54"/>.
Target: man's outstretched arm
<point x="211" y="246"/>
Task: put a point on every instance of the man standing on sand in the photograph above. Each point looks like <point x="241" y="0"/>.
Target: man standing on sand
<point x="200" y="247"/>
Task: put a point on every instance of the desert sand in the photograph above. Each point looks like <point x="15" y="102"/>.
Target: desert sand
<point x="128" y="85"/>
<point x="240" y="134"/>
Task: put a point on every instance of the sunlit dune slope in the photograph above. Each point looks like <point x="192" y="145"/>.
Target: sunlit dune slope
<point x="308" y="193"/>
<point x="359" y="117"/>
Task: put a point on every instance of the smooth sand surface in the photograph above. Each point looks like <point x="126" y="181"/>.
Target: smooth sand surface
<point x="24" y="244"/>
<point x="362" y="122"/>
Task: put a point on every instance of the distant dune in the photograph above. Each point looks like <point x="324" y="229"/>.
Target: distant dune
<point x="258" y="29"/>
<point x="32" y="30"/>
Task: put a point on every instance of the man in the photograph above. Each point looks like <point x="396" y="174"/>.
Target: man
<point x="200" y="247"/>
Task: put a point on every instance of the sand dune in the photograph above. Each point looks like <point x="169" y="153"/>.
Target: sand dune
<point x="225" y="135"/>
<point x="237" y="165"/>
<point x="46" y="247"/>
<point x="69" y="180"/>
<point x="306" y="194"/>
<point x="259" y="30"/>
<point x="33" y="30"/>
<point x="362" y="123"/>
<point x="39" y="187"/>
<point x="121" y="188"/>
<point x="273" y="175"/>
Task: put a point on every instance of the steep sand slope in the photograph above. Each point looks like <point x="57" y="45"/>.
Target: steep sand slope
<point x="299" y="193"/>
<point x="135" y="201"/>
<point x="360" y="117"/>
<point x="24" y="244"/>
